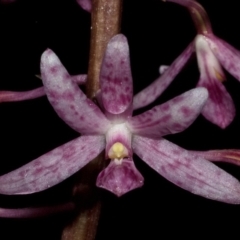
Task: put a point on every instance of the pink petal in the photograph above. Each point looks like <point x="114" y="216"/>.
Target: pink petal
<point x="171" y="117"/>
<point x="219" y="108"/>
<point x="154" y="90"/>
<point x="115" y="77"/>
<point x="187" y="171"/>
<point x="35" y="212"/>
<point x="70" y="103"/>
<point x="85" y="4"/>
<point x="120" y="177"/>
<point x="225" y="155"/>
<point x="52" y="167"/>
<point x="227" y="55"/>
<point x="10" y="96"/>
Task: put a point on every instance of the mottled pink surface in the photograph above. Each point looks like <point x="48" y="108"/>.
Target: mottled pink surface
<point x="115" y="76"/>
<point x="120" y="178"/>
<point x="227" y="55"/>
<point x="171" y="117"/>
<point x="154" y="90"/>
<point x="70" y="103"/>
<point x="219" y="108"/>
<point x="187" y="171"/>
<point x="52" y="167"/>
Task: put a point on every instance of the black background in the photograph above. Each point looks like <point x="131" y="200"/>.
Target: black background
<point x="157" y="33"/>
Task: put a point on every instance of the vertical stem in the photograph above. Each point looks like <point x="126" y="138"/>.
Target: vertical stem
<point x="106" y="19"/>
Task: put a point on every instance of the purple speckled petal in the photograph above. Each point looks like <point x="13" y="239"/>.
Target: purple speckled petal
<point x="120" y="177"/>
<point x="70" y="103"/>
<point x="171" y="117"/>
<point x="115" y="77"/>
<point x="154" y="90"/>
<point x="227" y="55"/>
<point x="219" y="108"/>
<point x="36" y="212"/>
<point x="10" y="96"/>
<point x="187" y="171"/>
<point x="52" y="167"/>
<point x="225" y="155"/>
<point x="85" y="4"/>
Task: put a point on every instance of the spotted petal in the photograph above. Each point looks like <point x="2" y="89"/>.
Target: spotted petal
<point x="227" y="55"/>
<point x="70" y="103"/>
<point x="120" y="177"/>
<point x="52" y="167"/>
<point x="219" y="108"/>
<point x="154" y="90"/>
<point x="116" y="77"/>
<point x="171" y="117"/>
<point x="187" y="171"/>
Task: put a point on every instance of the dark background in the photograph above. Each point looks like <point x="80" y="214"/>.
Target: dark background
<point x="157" y="33"/>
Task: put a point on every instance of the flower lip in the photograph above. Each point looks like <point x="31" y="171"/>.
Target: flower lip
<point x="120" y="177"/>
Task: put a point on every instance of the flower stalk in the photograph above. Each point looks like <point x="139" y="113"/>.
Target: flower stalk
<point x="198" y="14"/>
<point x="106" y="19"/>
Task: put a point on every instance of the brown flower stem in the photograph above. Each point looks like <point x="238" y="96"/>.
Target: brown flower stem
<point x="198" y="14"/>
<point x="106" y="19"/>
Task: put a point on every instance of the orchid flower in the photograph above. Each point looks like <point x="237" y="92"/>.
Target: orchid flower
<point x="211" y="52"/>
<point x="112" y="127"/>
